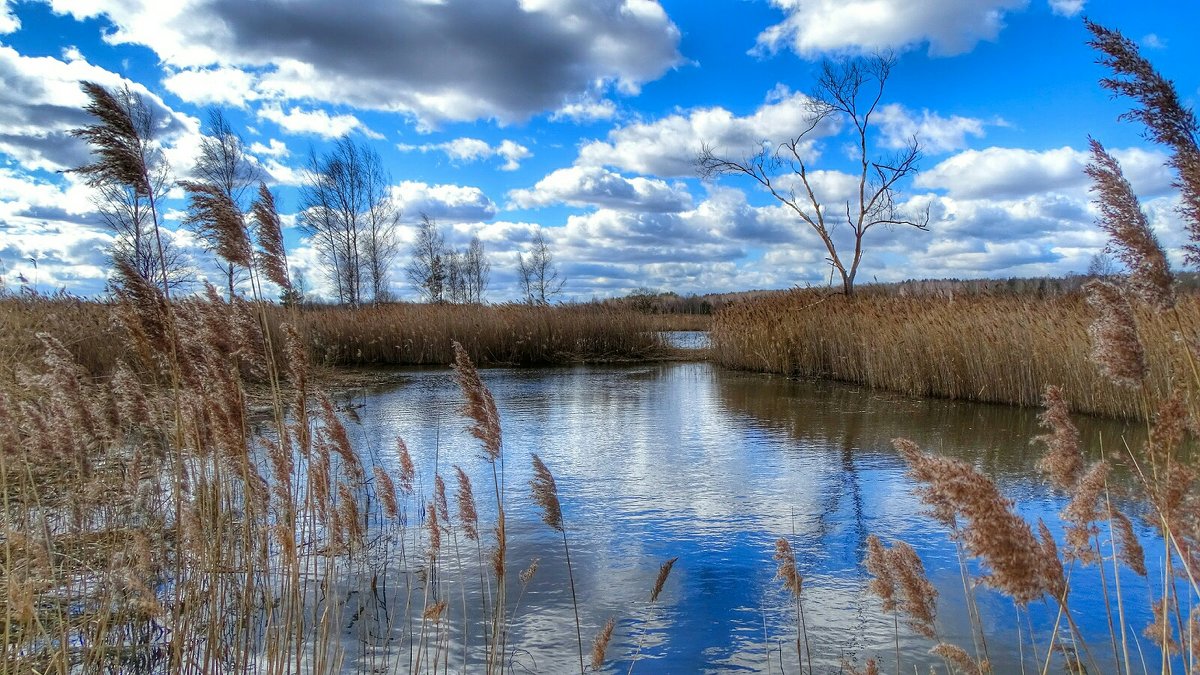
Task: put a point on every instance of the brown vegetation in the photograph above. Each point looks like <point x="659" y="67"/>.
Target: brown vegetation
<point x="984" y="347"/>
<point x="395" y="334"/>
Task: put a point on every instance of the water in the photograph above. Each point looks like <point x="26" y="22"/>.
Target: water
<point x="687" y="460"/>
<point x="687" y="339"/>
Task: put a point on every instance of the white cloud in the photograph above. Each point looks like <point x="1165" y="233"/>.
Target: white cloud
<point x="40" y="101"/>
<point x="9" y="23"/>
<point x="274" y="148"/>
<point x="1153" y="41"/>
<point x="587" y="109"/>
<point x="318" y="122"/>
<point x="1002" y="173"/>
<point x="473" y="150"/>
<point x="443" y="203"/>
<point x="668" y="146"/>
<point x="213" y="86"/>
<point x="595" y="186"/>
<point x="1067" y="8"/>
<point x="935" y="133"/>
<point x="446" y="60"/>
<point x="813" y="27"/>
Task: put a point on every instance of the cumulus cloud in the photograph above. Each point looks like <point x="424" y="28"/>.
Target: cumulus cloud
<point x="935" y="133"/>
<point x="273" y="148"/>
<point x="1016" y="172"/>
<point x="446" y="60"/>
<point x="668" y="146"/>
<point x="9" y="23"/>
<point x="318" y="122"/>
<point x="221" y="86"/>
<point x="949" y="27"/>
<point x="1067" y="8"/>
<point x="443" y="203"/>
<point x="462" y="150"/>
<point x="587" y="109"/>
<point x="40" y="101"/>
<point x="595" y="186"/>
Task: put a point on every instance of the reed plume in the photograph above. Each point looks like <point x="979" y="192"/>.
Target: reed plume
<point x="214" y="215"/>
<point x="527" y="574"/>
<point x="408" y="472"/>
<point x="1082" y="513"/>
<point x="1161" y="630"/>
<point x="1116" y="348"/>
<point x="899" y="569"/>
<point x="664" y="571"/>
<point x="1129" y="547"/>
<point x="787" y="570"/>
<point x="1063" y="461"/>
<point x="272" y="257"/>
<point x="439" y="499"/>
<point x="435" y="531"/>
<point x="1165" y="117"/>
<point x="1129" y="232"/>
<point x="992" y="532"/>
<point x="386" y="489"/>
<point x="959" y="658"/>
<point x="600" y="644"/>
<point x="545" y="493"/>
<point x="467" y="514"/>
<point x="480" y="406"/>
<point x="115" y="139"/>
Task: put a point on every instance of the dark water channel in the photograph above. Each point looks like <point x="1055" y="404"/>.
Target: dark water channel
<point x="712" y="466"/>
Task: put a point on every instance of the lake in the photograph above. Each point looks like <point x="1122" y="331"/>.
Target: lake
<point x="711" y="466"/>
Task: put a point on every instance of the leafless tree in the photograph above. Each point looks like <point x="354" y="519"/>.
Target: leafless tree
<point x="347" y="208"/>
<point x="224" y="165"/>
<point x="427" y="268"/>
<point x="456" y="277"/>
<point x="127" y="215"/>
<point x="538" y="274"/>
<point x="130" y="176"/>
<point x="477" y="271"/>
<point x="850" y="92"/>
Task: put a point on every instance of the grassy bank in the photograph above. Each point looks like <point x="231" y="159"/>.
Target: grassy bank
<point x="398" y="334"/>
<point x="997" y="348"/>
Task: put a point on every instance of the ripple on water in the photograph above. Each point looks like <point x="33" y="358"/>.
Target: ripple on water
<point x="687" y="460"/>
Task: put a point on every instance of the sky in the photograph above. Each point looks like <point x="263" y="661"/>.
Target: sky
<point x="582" y="119"/>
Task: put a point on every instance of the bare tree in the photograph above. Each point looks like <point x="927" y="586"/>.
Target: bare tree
<point x="456" y="276"/>
<point x="347" y="208"/>
<point x="224" y="165"/>
<point x="477" y="271"/>
<point x="427" y="269"/>
<point x="130" y="175"/>
<point x="127" y="214"/>
<point x="538" y="274"/>
<point x="850" y="91"/>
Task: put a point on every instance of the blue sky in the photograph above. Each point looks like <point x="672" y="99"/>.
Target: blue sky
<point x="581" y="117"/>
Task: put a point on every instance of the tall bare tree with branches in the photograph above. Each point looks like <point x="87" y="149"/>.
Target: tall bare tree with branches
<point x="848" y="92"/>
<point x="130" y="176"/>
<point x="223" y="165"/>
<point x="347" y="207"/>
<point x="537" y="272"/>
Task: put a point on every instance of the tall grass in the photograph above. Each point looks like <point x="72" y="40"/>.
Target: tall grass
<point x="398" y="334"/>
<point x="1000" y="349"/>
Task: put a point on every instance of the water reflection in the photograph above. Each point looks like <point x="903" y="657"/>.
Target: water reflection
<point x="658" y="461"/>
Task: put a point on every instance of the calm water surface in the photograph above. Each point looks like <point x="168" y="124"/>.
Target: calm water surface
<point x="712" y="466"/>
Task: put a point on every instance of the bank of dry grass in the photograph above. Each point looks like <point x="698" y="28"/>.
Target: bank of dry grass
<point x="997" y="348"/>
<point x="399" y="334"/>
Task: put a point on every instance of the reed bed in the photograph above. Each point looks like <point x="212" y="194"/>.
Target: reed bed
<point x="994" y="348"/>
<point x="398" y="334"/>
<point x="409" y="334"/>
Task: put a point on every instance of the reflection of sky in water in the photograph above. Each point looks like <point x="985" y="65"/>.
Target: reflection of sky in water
<point x="657" y="461"/>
